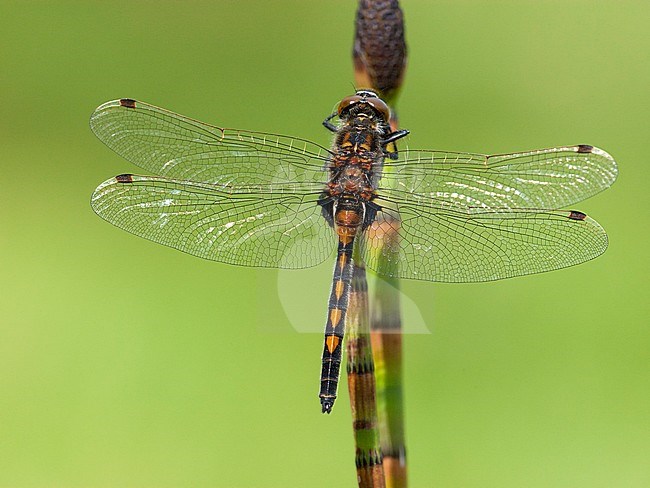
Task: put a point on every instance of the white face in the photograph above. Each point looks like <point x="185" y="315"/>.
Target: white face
<point x="367" y="94"/>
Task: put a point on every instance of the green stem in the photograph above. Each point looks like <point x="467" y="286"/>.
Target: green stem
<point x="361" y="384"/>
<point x="386" y="334"/>
<point x="387" y="349"/>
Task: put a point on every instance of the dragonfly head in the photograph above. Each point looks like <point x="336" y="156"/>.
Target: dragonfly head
<point x="360" y="101"/>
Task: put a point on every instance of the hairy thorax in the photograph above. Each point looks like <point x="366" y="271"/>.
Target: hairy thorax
<point x="355" y="167"/>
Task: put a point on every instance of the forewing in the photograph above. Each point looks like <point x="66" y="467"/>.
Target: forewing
<point x="171" y="145"/>
<point x="546" y="178"/>
<point x="433" y="242"/>
<point x="276" y="227"/>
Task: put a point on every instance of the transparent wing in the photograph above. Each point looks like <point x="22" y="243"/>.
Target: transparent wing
<point x="263" y="226"/>
<point x="546" y="178"/>
<point x="439" y="242"/>
<point x="171" y="145"/>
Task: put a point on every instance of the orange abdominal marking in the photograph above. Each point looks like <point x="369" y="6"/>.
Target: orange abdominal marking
<point x="331" y="342"/>
<point x="338" y="290"/>
<point x="347" y="218"/>
<point x="335" y="316"/>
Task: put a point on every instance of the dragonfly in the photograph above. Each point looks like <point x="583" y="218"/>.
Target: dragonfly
<point x="267" y="200"/>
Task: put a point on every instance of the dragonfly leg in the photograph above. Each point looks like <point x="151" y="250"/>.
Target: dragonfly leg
<point x="328" y="125"/>
<point x="390" y="148"/>
<point x="393" y="136"/>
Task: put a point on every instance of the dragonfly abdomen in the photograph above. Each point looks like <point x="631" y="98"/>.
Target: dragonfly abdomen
<point x="335" y="327"/>
<point x="347" y="222"/>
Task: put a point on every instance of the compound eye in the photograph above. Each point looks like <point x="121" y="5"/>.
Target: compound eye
<point x="347" y="102"/>
<point x="380" y="106"/>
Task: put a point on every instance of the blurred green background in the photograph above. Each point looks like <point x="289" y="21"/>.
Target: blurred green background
<point x="124" y="363"/>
